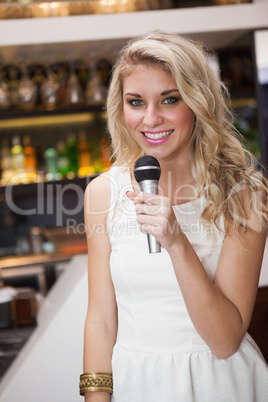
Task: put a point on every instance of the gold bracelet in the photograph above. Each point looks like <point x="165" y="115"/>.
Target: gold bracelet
<point x="101" y="382"/>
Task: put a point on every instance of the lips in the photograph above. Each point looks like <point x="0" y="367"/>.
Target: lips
<point x="157" y="135"/>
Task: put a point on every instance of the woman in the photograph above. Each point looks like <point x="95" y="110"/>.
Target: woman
<point x="172" y="326"/>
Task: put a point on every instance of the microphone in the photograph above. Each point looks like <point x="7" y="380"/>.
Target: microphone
<point x="147" y="172"/>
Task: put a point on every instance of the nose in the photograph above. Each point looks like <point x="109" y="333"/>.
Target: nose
<point x="152" y="116"/>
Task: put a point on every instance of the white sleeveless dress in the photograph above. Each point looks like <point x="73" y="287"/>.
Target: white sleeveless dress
<point x="158" y="355"/>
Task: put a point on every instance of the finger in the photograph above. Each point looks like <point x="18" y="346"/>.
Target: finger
<point x="150" y="220"/>
<point x="148" y="198"/>
<point x="149" y="209"/>
<point x="131" y="195"/>
<point x="159" y="224"/>
<point x="154" y="229"/>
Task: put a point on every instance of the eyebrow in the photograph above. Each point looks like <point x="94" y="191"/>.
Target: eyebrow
<point x="162" y="93"/>
<point x="169" y="92"/>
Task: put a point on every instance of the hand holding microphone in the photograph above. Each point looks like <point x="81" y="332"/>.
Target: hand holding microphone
<point x="147" y="173"/>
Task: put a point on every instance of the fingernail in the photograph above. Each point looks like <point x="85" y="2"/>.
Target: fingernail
<point x="127" y="192"/>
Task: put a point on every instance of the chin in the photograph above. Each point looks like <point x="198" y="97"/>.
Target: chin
<point x="160" y="155"/>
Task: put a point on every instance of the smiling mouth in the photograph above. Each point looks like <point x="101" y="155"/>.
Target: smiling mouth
<point x="157" y="136"/>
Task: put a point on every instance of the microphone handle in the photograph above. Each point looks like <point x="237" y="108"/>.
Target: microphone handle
<point x="151" y="186"/>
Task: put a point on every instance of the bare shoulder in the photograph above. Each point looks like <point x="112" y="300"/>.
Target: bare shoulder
<point x="98" y="195"/>
<point x="96" y="211"/>
<point x="255" y="211"/>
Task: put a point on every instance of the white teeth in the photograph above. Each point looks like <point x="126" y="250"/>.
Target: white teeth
<point x="158" y="136"/>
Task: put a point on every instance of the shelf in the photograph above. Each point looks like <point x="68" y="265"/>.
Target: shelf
<point x="29" y="189"/>
<point x="67" y="245"/>
<point x="226" y="23"/>
<point x="21" y="118"/>
<point x="243" y="102"/>
<point x="29" y="260"/>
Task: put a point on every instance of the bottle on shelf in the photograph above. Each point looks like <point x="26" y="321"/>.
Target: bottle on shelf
<point x="27" y="91"/>
<point x="30" y="162"/>
<point x="74" y="93"/>
<point x="51" y="164"/>
<point x="95" y="151"/>
<point x="62" y="73"/>
<point x="105" y="153"/>
<point x="17" y="156"/>
<point x="95" y="89"/>
<point x="6" y="163"/>
<point x="71" y="145"/>
<point x="50" y="91"/>
<point x="13" y="76"/>
<point x="82" y="71"/>
<point x="40" y="159"/>
<point x="5" y="101"/>
<point x="84" y="156"/>
<point x="37" y="74"/>
<point x="104" y="68"/>
<point x="63" y="159"/>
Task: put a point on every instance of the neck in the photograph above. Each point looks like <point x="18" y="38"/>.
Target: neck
<point x="177" y="182"/>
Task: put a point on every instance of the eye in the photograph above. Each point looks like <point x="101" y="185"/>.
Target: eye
<point x="171" y="100"/>
<point x="135" y="102"/>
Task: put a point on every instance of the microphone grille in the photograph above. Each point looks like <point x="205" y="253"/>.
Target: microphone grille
<point x="147" y="168"/>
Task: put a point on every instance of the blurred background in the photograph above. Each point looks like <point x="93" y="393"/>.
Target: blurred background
<point x="55" y="64"/>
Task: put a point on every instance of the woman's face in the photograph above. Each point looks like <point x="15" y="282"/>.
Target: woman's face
<point x="155" y="114"/>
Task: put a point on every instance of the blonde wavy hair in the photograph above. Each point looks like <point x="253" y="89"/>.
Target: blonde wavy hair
<point x="222" y="168"/>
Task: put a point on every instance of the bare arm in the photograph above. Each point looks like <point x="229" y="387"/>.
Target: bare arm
<point x="101" y="319"/>
<point x="220" y="311"/>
